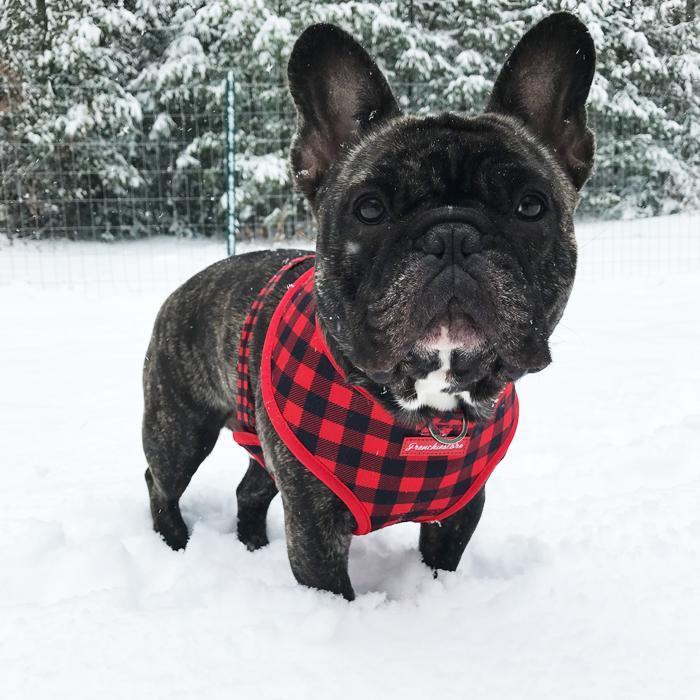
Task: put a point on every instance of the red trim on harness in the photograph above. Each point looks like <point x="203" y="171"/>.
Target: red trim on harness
<point x="250" y="440"/>
<point x="244" y="438"/>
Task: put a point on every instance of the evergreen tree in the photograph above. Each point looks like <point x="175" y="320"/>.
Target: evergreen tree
<point x="72" y="125"/>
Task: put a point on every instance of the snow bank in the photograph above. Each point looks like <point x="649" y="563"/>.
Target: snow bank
<point x="582" y="579"/>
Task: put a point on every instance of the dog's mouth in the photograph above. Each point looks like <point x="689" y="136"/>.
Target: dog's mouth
<point x="462" y="357"/>
<point x="451" y="329"/>
<point x="479" y="313"/>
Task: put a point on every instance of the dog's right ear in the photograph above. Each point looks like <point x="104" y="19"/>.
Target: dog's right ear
<point x="545" y="83"/>
<point x="339" y="93"/>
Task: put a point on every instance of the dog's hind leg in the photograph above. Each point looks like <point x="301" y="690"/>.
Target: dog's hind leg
<point x="175" y="442"/>
<point x="442" y="544"/>
<point x="255" y="492"/>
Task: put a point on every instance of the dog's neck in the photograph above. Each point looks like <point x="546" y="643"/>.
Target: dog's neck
<point x="434" y="390"/>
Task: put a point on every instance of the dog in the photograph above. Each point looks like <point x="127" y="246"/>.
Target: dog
<point x="444" y="259"/>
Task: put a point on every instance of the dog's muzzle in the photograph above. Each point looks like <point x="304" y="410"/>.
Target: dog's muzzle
<point x="449" y="237"/>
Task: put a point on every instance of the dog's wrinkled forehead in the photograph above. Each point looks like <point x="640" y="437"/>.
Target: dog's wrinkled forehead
<point x="451" y="161"/>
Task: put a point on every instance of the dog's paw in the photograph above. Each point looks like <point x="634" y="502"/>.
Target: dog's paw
<point x="168" y="523"/>
<point x="252" y="538"/>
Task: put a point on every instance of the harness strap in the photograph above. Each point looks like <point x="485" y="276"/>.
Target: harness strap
<point x="245" y="400"/>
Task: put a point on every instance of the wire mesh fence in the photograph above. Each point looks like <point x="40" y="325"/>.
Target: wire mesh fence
<point x="106" y="183"/>
<point x="119" y="168"/>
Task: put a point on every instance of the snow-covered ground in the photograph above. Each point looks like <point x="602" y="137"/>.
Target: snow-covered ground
<point x="583" y="580"/>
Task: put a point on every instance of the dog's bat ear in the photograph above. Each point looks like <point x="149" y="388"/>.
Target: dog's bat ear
<point x="339" y="93"/>
<point x="545" y="83"/>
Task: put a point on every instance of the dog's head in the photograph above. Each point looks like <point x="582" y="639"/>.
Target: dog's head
<point x="445" y="251"/>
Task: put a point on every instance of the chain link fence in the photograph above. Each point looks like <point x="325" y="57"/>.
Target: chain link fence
<point x="98" y="183"/>
<point x="157" y="178"/>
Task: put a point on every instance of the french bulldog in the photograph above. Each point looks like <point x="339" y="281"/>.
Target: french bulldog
<point x="445" y="257"/>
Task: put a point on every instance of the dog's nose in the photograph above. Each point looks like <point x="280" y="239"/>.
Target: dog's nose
<point x="452" y="240"/>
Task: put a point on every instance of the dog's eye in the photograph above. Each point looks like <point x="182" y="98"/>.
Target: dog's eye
<point x="370" y="210"/>
<point x="531" y="207"/>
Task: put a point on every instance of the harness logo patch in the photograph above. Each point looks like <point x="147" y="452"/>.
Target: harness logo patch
<point x="428" y="447"/>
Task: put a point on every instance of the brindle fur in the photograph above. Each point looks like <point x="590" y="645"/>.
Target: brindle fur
<point x="378" y="288"/>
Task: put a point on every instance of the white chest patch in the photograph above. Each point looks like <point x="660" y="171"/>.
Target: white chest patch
<point x="430" y="391"/>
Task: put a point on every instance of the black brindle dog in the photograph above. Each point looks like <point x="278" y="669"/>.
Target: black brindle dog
<point x="399" y="201"/>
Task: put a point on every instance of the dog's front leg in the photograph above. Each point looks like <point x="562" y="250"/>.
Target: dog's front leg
<point x="319" y="530"/>
<point x="442" y="544"/>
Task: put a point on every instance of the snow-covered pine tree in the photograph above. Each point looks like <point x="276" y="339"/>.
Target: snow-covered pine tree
<point x="183" y="87"/>
<point x="73" y="129"/>
<point x="644" y="107"/>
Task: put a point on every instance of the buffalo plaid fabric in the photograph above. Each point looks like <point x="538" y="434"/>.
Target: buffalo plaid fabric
<point x="245" y="409"/>
<point x="354" y="445"/>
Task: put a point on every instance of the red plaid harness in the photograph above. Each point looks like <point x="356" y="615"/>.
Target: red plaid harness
<point x="384" y="472"/>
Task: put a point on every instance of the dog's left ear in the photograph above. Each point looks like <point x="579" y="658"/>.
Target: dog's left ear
<point x="339" y="93"/>
<point x="545" y="83"/>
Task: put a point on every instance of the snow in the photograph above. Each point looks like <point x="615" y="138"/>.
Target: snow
<point x="77" y="120"/>
<point x="269" y="167"/>
<point x="581" y="581"/>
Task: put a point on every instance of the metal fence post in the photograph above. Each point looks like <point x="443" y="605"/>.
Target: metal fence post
<point x="230" y="161"/>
